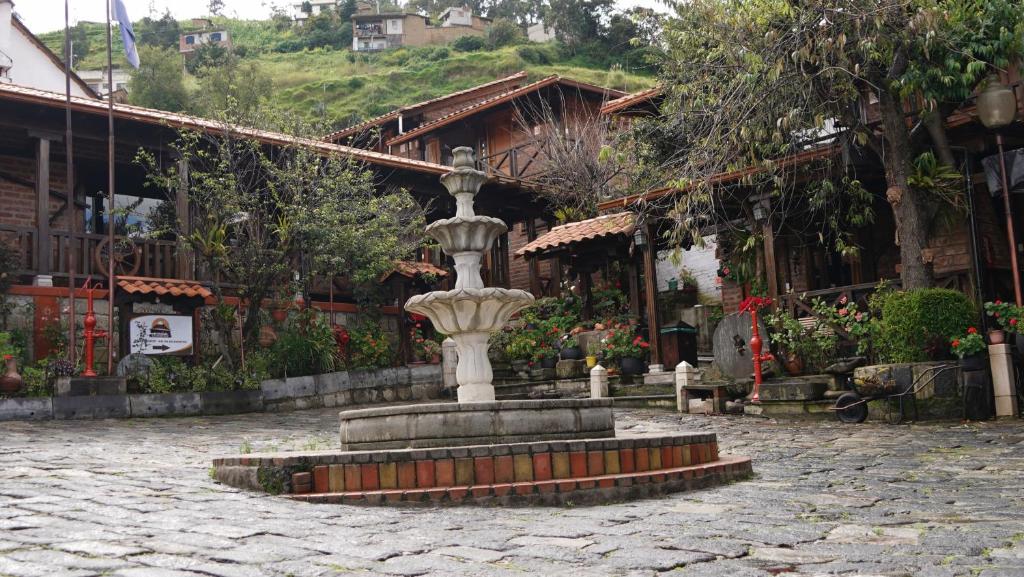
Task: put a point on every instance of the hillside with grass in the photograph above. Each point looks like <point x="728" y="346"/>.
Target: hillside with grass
<point x="339" y="87"/>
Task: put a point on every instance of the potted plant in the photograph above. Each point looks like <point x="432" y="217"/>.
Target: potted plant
<point x="570" y="348"/>
<point x="970" y="349"/>
<point x="1007" y="316"/>
<point x="622" y="344"/>
<point x="545" y="356"/>
<point x="593" y="350"/>
<point x="519" y="350"/>
<point x="432" y="351"/>
<point x="11" y="381"/>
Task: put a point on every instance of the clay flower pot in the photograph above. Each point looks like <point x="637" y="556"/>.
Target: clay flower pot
<point x="279" y="315"/>
<point x="794" y="364"/>
<point x="11" y="382"/>
<point x="996" y="337"/>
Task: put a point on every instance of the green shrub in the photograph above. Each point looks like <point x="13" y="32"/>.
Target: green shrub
<point x="469" y="44"/>
<point x="917" y="325"/>
<point x="305" y="347"/>
<point x="504" y="33"/>
<point x="369" y="347"/>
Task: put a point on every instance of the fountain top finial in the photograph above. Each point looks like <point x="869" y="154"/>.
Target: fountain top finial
<point x="463" y="157"/>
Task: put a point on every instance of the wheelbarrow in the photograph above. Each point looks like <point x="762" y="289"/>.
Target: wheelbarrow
<point x="852" y="406"/>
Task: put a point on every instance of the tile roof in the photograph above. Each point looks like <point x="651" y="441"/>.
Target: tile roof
<point x="357" y="128"/>
<point x="499" y="99"/>
<point x="176" y="120"/>
<point x="575" y="232"/>
<point x="630" y="99"/>
<point x="412" y="269"/>
<point x="162" y="287"/>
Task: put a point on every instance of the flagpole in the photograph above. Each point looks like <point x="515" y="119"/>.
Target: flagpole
<point x="70" y="188"/>
<point x="110" y="194"/>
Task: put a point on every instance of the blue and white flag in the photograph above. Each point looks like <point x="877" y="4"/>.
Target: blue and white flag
<point x="127" y="33"/>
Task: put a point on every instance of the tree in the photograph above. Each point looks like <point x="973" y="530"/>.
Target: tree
<point x="163" y="32"/>
<point x="216" y="7"/>
<point x="504" y="33"/>
<point x="577" y="21"/>
<point x="753" y="81"/>
<point x="79" y="43"/>
<point x="207" y="55"/>
<point x="269" y="216"/>
<point x="159" y="82"/>
<point x="231" y="86"/>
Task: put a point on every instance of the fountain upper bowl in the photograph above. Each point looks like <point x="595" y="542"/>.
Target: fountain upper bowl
<point x="470" y="310"/>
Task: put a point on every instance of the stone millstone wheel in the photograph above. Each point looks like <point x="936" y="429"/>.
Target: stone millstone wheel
<point x="732" y="345"/>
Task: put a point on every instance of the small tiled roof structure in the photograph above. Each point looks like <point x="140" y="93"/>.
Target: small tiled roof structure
<point x="162" y="287"/>
<point x="620" y="223"/>
<point x="412" y="269"/>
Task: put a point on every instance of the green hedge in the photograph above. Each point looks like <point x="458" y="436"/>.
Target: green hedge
<point x="917" y="325"/>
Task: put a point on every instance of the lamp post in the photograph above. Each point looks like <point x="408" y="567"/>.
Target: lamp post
<point x="997" y="109"/>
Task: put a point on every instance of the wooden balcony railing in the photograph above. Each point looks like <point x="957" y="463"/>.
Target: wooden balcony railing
<point x="133" y="256"/>
<point x="519" y="162"/>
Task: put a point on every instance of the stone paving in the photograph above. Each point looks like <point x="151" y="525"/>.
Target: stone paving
<point x="134" y="498"/>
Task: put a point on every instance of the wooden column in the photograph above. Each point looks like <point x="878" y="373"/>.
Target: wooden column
<point x="586" y="293"/>
<point x="404" y="344"/>
<point x="43" y="249"/>
<point x="771" y="270"/>
<point x="650" y="255"/>
<point x="634" y="288"/>
<point x="533" y="267"/>
<point x="185" y="264"/>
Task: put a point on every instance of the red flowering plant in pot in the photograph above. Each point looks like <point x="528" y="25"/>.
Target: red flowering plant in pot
<point x="1007" y="316"/>
<point x="970" y="349"/>
<point x="628" y="349"/>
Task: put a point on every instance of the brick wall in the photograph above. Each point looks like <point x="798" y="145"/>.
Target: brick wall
<point x="18" y="201"/>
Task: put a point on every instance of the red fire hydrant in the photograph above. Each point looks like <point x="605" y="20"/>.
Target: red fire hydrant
<point x="752" y="305"/>
<point x="90" y="332"/>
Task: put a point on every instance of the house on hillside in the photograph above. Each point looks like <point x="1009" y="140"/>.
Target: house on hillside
<point x="26" y="61"/>
<point x="99" y="81"/>
<point x="301" y="11"/>
<point x="189" y="42"/>
<point x="372" y="30"/>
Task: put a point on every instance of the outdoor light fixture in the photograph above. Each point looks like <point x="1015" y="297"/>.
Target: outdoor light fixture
<point x="761" y="209"/>
<point x="639" y="236"/>
<point x="997" y="109"/>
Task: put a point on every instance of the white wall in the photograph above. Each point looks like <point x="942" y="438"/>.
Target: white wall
<point x="34" y="69"/>
<point x="699" y="262"/>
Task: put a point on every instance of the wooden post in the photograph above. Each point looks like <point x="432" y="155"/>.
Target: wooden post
<point x="44" y="252"/>
<point x="651" y="292"/>
<point x="586" y="293"/>
<point x="404" y="344"/>
<point x="771" y="271"/>
<point x="634" y="288"/>
<point x="185" y="259"/>
<point x="533" y="267"/>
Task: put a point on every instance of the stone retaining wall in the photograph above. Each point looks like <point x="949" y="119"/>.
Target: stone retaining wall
<point x="340" y="389"/>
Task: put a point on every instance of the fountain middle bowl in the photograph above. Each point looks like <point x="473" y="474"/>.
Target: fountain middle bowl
<point x="470" y="310"/>
<point x="466" y="233"/>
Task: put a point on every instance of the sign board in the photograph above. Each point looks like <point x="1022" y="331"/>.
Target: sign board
<point x="161" y="335"/>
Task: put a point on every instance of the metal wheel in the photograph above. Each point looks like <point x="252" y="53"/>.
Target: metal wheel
<point x="894" y="411"/>
<point x="851" y="408"/>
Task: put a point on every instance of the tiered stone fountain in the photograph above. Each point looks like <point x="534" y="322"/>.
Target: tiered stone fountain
<point x="470" y="313"/>
<point x="480" y="449"/>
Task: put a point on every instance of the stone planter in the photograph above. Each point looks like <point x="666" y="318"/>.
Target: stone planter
<point x="972" y="363"/>
<point x="571" y="354"/>
<point x="548" y="362"/>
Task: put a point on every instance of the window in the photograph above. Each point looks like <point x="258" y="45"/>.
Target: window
<point x="216" y="37"/>
<point x="190" y="40"/>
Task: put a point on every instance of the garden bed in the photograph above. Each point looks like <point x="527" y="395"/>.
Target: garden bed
<point x="338" y="389"/>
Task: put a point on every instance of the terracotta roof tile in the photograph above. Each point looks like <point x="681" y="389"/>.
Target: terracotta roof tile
<point x="499" y="99"/>
<point x="356" y="128"/>
<point x="162" y="287"/>
<point x="575" y="232"/>
<point x="628" y="100"/>
<point x="412" y="269"/>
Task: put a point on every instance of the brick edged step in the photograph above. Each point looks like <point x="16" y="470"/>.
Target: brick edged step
<point x="581" y="490"/>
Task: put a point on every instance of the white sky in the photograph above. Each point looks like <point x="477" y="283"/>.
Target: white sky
<point x="47" y="15"/>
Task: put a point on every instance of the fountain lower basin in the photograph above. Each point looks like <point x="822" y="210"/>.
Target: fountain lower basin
<point x="484" y="423"/>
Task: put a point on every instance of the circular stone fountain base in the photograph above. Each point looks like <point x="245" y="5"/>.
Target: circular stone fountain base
<point x="485" y="423"/>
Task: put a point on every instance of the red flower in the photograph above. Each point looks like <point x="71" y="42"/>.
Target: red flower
<point x="8" y="357"/>
<point x="418" y="325"/>
<point x="956" y="343"/>
<point x="644" y="345"/>
<point x="999" y="302"/>
<point x="972" y="331"/>
<point x="843" y="312"/>
<point x="1013" y="322"/>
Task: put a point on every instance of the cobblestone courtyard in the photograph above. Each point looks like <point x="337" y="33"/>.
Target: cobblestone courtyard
<point x="134" y="498"/>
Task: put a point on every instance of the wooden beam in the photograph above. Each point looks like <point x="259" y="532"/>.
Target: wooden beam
<point x="650" y="254"/>
<point x="43" y="206"/>
<point x="634" y="288"/>
<point x="533" y="267"/>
